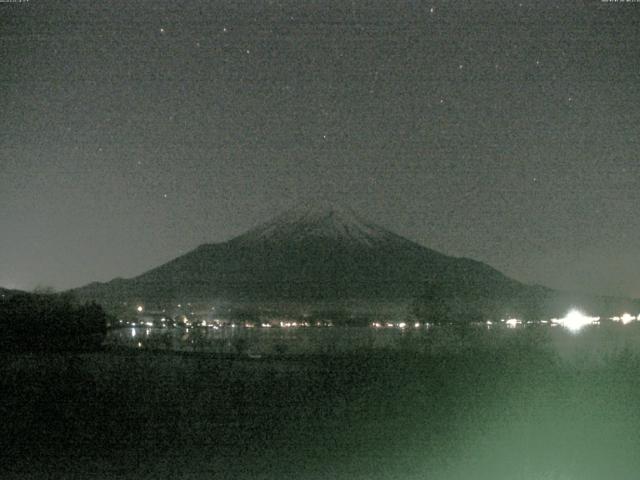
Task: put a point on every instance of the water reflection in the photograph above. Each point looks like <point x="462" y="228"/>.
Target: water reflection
<point x="252" y="340"/>
<point x="576" y="333"/>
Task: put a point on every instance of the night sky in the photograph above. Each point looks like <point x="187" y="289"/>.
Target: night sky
<point x="133" y="131"/>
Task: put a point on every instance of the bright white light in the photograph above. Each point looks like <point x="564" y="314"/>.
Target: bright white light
<point x="140" y="308"/>
<point x="626" y="318"/>
<point x="512" y="322"/>
<point x="402" y="325"/>
<point x="416" y="325"/>
<point x="575" y="320"/>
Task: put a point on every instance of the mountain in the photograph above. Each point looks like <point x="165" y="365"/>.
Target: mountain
<point x="323" y="253"/>
<point x="314" y="252"/>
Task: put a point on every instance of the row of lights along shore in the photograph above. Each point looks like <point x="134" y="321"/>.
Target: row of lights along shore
<point x="575" y="320"/>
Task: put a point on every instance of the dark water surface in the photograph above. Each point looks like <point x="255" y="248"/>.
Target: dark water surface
<point x="526" y="404"/>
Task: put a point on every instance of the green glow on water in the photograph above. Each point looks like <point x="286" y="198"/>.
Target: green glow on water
<point x="519" y="405"/>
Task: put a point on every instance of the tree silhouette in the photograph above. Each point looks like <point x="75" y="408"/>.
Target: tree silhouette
<point x="35" y="321"/>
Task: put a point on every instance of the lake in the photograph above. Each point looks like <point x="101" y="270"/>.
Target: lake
<point x="440" y="403"/>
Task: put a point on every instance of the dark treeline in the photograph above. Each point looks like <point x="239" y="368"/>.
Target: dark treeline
<point x="47" y="321"/>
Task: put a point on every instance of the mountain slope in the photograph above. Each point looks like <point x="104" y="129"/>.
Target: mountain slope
<point x="6" y="292"/>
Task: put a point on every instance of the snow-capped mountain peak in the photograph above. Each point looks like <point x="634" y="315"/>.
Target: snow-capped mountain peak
<point x="319" y="220"/>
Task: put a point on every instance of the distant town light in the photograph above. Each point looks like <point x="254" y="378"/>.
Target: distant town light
<point x="627" y="318"/>
<point x="512" y="322"/>
<point x="140" y="308"/>
<point x="575" y="320"/>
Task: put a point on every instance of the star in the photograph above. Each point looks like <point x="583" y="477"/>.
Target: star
<point x="161" y="30"/>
